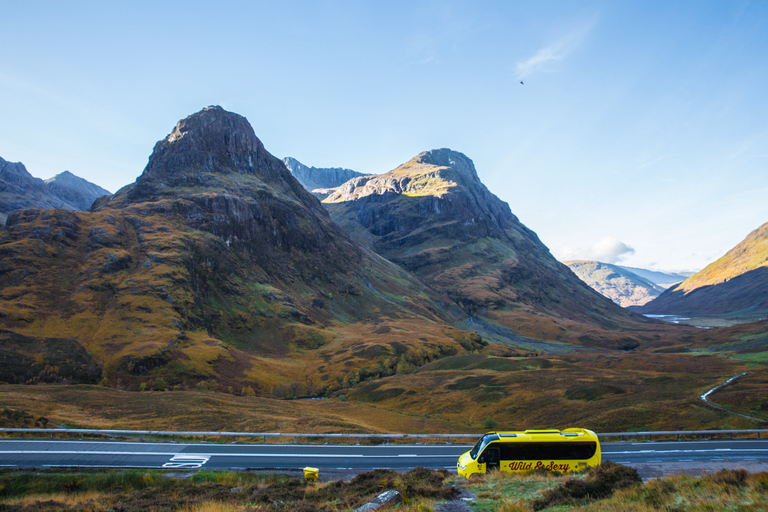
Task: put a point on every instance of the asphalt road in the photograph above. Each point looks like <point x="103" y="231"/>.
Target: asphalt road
<point x="352" y="459"/>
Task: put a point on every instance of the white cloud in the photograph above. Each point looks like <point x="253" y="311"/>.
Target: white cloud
<point x="556" y="50"/>
<point x="611" y="250"/>
<point x="607" y="250"/>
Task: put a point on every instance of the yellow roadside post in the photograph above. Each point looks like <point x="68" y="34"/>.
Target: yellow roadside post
<point x="311" y="474"/>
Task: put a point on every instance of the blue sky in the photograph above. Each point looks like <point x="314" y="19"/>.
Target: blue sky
<point x="640" y="134"/>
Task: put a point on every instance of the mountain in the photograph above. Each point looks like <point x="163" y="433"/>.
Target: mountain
<point x="623" y="287"/>
<point x="319" y="181"/>
<point x="19" y="189"/>
<point x="663" y="279"/>
<point x="215" y="269"/>
<point x="75" y="190"/>
<point x="737" y="282"/>
<point x="434" y="217"/>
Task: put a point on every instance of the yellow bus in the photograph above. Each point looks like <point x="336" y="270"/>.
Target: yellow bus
<point x="566" y="450"/>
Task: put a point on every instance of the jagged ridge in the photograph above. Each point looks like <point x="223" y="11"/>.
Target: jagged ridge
<point x="320" y="181"/>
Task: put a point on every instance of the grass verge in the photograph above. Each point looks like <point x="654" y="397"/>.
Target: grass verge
<point x="613" y="487"/>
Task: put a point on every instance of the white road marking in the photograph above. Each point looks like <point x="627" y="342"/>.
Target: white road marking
<point x="209" y="455"/>
<point x="121" y="466"/>
<point x="685" y="451"/>
<point x="183" y="461"/>
<point x="84" y="452"/>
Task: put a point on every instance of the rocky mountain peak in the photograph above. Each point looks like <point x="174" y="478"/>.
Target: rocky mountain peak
<point x="62" y="177"/>
<point x="447" y="158"/>
<point x="212" y="130"/>
<point x="78" y="192"/>
<point x="15" y="174"/>
<point x="213" y="152"/>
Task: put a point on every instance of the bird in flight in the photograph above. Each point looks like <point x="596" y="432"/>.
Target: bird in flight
<point x="521" y="82"/>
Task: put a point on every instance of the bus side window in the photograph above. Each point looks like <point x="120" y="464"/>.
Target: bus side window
<point x="550" y="451"/>
<point x="509" y="451"/>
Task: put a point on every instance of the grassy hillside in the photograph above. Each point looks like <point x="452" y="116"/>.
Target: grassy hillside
<point x="472" y="393"/>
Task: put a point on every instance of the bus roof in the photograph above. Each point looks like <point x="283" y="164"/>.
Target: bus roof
<point x="550" y="435"/>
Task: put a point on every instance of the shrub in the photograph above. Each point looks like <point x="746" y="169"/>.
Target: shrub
<point x="490" y="424"/>
<point x="297" y="495"/>
<point x="600" y="483"/>
<point x="729" y="477"/>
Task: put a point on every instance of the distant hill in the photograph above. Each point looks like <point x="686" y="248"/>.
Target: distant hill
<point x="623" y="287"/>
<point x="19" y="189"/>
<point x="737" y="282"/>
<point x="663" y="279"/>
<point x="321" y="181"/>
<point x="433" y="216"/>
<point x="75" y="190"/>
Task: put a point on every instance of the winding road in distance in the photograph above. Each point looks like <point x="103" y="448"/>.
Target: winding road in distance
<point x="651" y="458"/>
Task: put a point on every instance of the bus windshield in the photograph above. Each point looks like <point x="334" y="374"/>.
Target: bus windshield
<point x="481" y="444"/>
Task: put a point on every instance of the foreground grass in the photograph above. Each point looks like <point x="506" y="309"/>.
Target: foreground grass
<point x="211" y="491"/>
<point x="521" y="492"/>
<point x="611" y="487"/>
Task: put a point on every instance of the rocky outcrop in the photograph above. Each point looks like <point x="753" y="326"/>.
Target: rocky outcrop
<point x="319" y="180"/>
<point x="19" y="189"/>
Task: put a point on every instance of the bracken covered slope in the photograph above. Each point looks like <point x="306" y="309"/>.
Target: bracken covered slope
<point x="737" y="282"/>
<point x="216" y="268"/>
<point x="622" y="286"/>
<point x="434" y="217"/>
